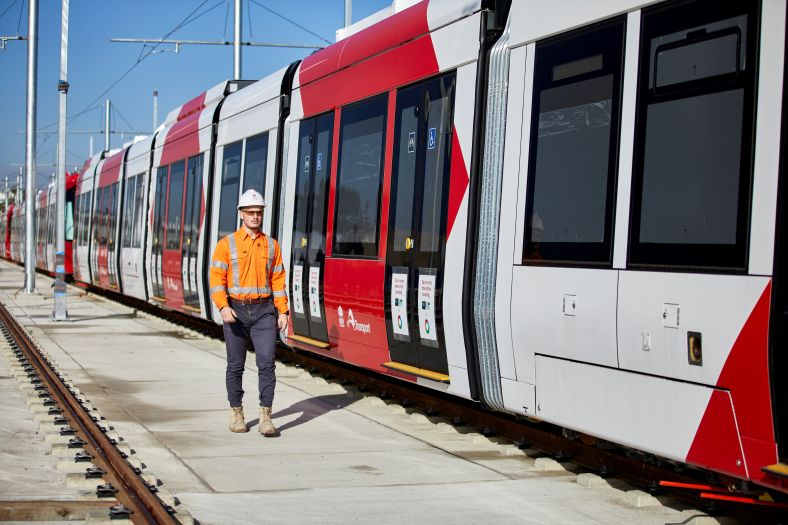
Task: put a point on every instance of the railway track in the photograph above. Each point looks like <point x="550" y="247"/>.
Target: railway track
<point x="124" y="493"/>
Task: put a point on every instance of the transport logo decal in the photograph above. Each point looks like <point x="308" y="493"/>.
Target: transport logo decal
<point x="364" y="328"/>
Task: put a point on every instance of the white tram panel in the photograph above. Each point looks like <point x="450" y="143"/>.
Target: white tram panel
<point x="648" y="413"/>
<point x="136" y="181"/>
<point x="85" y="193"/>
<point x="537" y="19"/>
<point x="658" y="312"/>
<point x="213" y="99"/>
<point x="626" y="140"/>
<point x="288" y="184"/>
<point x="247" y="113"/>
<point x="244" y="114"/>
<point x="454" y="265"/>
<point x="767" y="149"/>
<point x="450" y="25"/>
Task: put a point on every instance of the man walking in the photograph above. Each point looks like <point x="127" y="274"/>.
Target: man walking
<point x="246" y="274"/>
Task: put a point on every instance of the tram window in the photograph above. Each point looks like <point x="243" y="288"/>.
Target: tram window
<point x="112" y="211"/>
<point x="574" y="147"/>
<point x="86" y="218"/>
<point x="84" y="201"/>
<point x="139" y="211"/>
<point x="693" y="161"/>
<point x="69" y="221"/>
<point x="255" y="162"/>
<point x="161" y="193"/>
<point x="175" y="206"/>
<point x="191" y="215"/>
<point x="362" y="138"/>
<point x="128" y="212"/>
<point x="228" y="201"/>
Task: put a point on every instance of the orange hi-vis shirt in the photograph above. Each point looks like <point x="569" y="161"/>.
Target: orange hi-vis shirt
<point x="247" y="268"/>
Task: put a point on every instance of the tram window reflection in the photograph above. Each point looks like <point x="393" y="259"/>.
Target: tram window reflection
<point x="360" y="178"/>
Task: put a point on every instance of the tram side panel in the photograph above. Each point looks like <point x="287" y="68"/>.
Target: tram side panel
<point x="245" y="157"/>
<point x="136" y="174"/>
<point x="634" y="314"/>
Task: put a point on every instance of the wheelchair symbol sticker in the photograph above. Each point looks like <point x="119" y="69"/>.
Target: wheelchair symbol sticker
<point x="431" y="139"/>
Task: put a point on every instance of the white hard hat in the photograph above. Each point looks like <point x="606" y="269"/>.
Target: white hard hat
<point x="250" y="198"/>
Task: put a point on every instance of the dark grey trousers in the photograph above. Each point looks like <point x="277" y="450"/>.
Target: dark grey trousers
<point x="257" y="321"/>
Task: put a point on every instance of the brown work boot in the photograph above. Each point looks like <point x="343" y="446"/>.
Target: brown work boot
<point x="266" y="426"/>
<point x="237" y="420"/>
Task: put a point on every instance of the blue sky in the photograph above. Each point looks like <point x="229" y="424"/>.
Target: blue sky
<point x="95" y="63"/>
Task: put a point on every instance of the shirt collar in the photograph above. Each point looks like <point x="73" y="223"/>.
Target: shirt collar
<point x="244" y="234"/>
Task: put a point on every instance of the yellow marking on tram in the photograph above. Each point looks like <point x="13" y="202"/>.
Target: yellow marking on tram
<point x="310" y="341"/>
<point x="778" y="469"/>
<point x="427" y="374"/>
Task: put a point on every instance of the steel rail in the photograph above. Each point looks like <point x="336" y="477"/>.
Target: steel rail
<point x="133" y="491"/>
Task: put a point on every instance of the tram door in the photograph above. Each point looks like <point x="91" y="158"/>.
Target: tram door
<point x="157" y="234"/>
<point x="309" y="227"/>
<point x="191" y="232"/>
<point x="171" y="257"/>
<point x="417" y="224"/>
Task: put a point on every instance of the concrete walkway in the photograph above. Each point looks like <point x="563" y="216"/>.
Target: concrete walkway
<point x="341" y="457"/>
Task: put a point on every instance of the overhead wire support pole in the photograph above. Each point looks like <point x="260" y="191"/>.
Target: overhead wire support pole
<point x="60" y="313"/>
<point x="30" y="148"/>
<point x="106" y="126"/>
<point x="237" y="42"/>
<point x="155" y="110"/>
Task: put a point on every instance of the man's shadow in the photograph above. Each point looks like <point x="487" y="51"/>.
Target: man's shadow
<point x="309" y="409"/>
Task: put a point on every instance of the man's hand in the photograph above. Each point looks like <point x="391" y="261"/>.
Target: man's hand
<point x="228" y="314"/>
<point x="282" y="322"/>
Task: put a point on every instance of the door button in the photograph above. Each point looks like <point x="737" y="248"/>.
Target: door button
<point x="408" y="243"/>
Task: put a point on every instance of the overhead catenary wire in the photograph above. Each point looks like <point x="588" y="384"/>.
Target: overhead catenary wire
<point x="283" y="17"/>
<point x="21" y="10"/>
<point x="91" y="106"/>
<point x="7" y="9"/>
<point x="117" y="112"/>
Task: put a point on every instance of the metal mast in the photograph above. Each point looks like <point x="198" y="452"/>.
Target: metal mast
<point x="60" y="314"/>
<point x="237" y="42"/>
<point x="348" y="12"/>
<point x="106" y="126"/>
<point x="30" y="148"/>
<point x="155" y="109"/>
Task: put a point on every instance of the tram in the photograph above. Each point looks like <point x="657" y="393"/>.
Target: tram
<point x="572" y="211"/>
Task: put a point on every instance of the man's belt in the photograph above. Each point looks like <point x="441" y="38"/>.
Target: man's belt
<point x="259" y="300"/>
